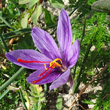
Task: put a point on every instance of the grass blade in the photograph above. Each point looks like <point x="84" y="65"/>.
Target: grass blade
<point x="16" y="75"/>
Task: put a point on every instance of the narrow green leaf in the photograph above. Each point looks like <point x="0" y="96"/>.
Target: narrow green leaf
<point x="4" y="44"/>
<point x="7" y="83"/>
<point x="59" y="103"/>
<point x="24" y="1"/>
<point x="22" y="99"/>
<point x="49" y="18"/>
<point x="0" y="13"/>
<point x="87" y="101"/>
<point x="2" y="25"/>
<point x="57" y="3"/>
<point x="4" y="93"/>
<point x="24" y="21"/>
<point x="16" y="32"/>
<point x="6" y="22"/>
<point x="36" y="13"/>
<point x="32" y="3"/>
<point x="75" y="86"/>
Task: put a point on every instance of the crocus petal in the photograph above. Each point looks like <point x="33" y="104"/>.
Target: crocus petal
<point x="50" y="78"/>
<point x="28" y="55"/>
<point x="64" y="33"/>
<point x="74" y="53"/>
<point x="45" y="43"/>
<point x="71" y="81"/>
<point x="61" y="80"/>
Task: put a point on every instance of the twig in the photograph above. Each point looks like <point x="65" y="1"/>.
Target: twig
<point x="82" y="107"/>
<point x="106" y="96"/>
<point x="87" y="86"/>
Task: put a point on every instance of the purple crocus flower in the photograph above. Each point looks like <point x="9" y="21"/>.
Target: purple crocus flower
<point x="51" y="64"/>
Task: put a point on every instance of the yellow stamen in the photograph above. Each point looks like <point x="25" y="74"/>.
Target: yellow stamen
<point x="57" y="60"/>
<point x="45" y="66"/>
<point x="54" y="62"/>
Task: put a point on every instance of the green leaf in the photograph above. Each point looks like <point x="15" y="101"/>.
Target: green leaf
<point x="73" y="38"/>
<point x="27" y="100"/>
<point x="49" y="18"/>
<point x="57" y="3"/>
<point x="24" y="21"/>
<point x="4" y="93"/>
<point x="87" y="101"/>
<point x="109" y="68"/>
<point x="17" y="32"/>
<point x="42" y="99"/>
<point x="72" y="1"/>
<point x="0" y="13"/>
<point x="101" y="6"/>
<point x="16" y="75"/>
<point x="36" y="13"/>
<point x="32" y="3"/>
<point x="24" y="1"/>
<point x="59" y="103"/>
<point x="24" y="43"/>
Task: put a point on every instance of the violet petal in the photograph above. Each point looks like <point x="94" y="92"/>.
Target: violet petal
<point x="48" y="79"/>
<point x="45" y="43"/>
<point x="28" y="55"/>
<point x="74" y="53"/>
<point x="71" y="81"/>
<point x="64" y="34"/>
<point x="61" y="80"/>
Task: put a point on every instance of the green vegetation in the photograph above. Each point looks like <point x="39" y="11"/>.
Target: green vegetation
<point x="89" y="25"/>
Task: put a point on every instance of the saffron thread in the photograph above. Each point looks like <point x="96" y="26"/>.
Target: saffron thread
<point x="43" y="76"/>
<point x="24" y="61"/>
<point x="53" y="64"/>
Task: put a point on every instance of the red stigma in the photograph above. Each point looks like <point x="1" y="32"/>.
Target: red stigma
<point x="48" y="69"/>
<point x="43" y="76"/>
<point x="24" y="61"/>
<point x="53" y="64"/>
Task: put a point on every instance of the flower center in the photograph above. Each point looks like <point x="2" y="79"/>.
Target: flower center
<point x="55" y="63"/>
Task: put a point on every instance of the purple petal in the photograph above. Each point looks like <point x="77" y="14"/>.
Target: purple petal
<point x="71" y="81"/>
<point x="45" y="43"/>
<point x="61" y="80"/>
<point x="64" y="33"/>
<point x="74" y="53"/>
<point x="50" y="78"/>
<point x="28" y="55"/>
